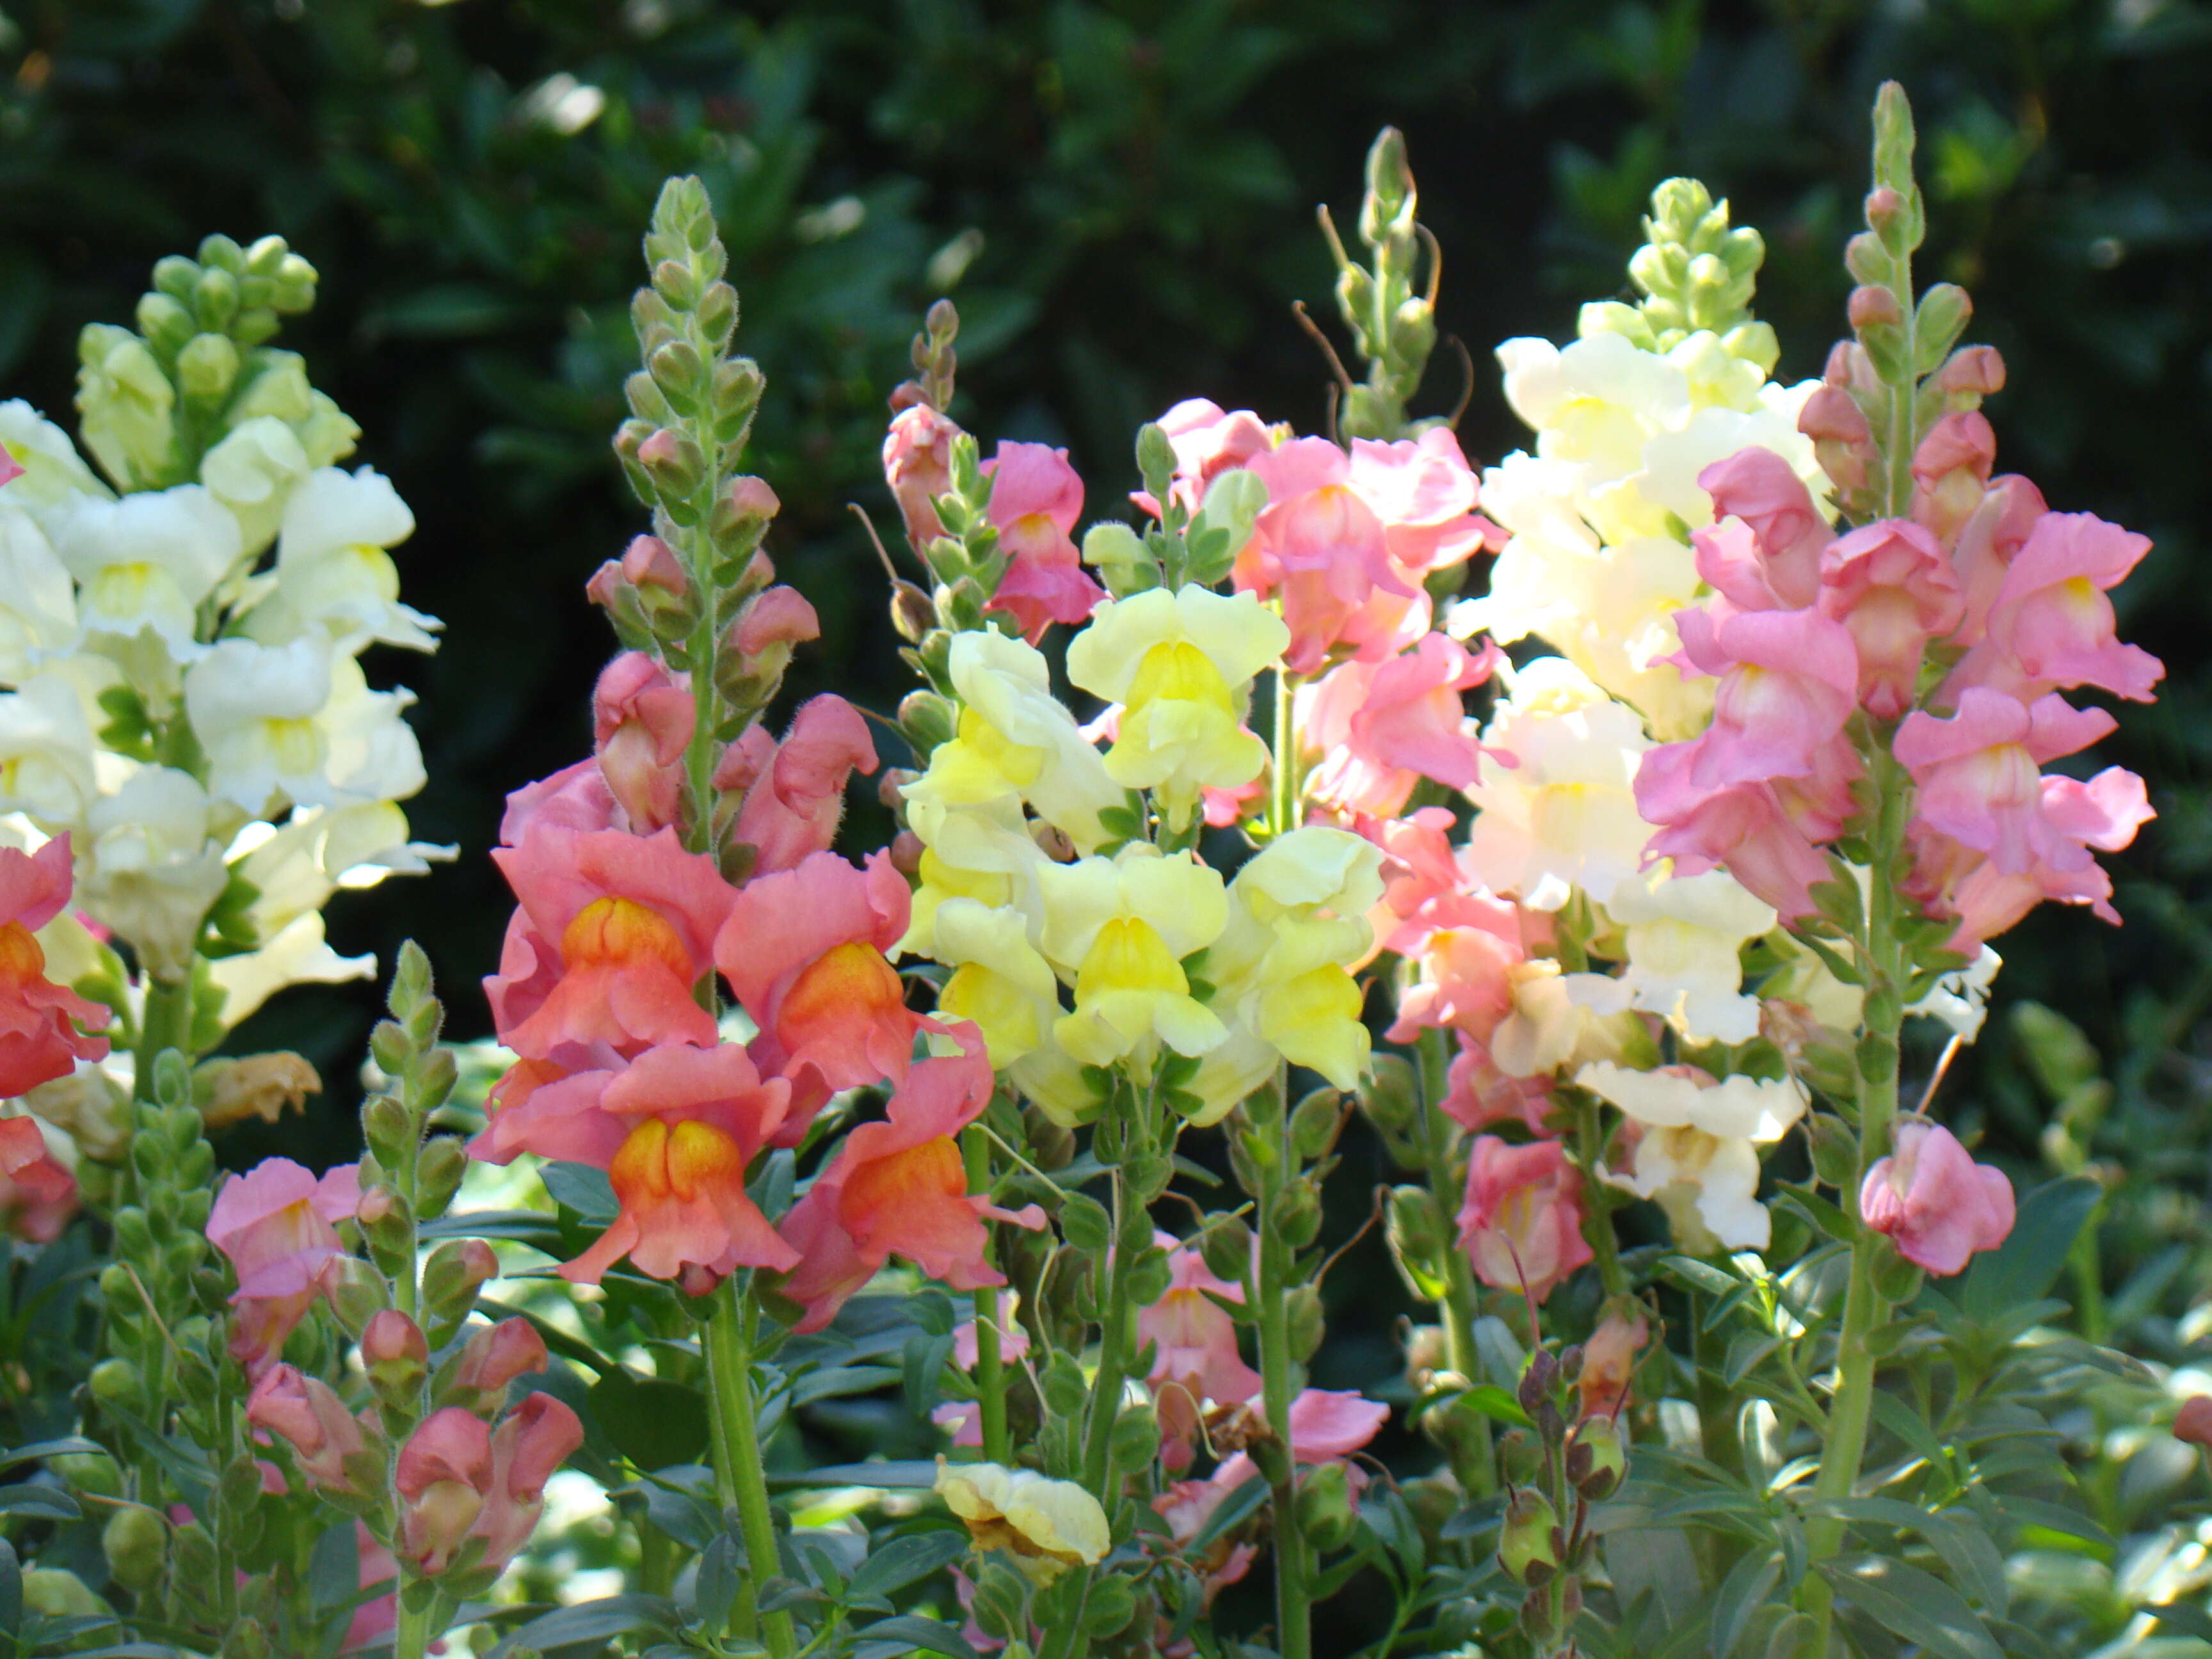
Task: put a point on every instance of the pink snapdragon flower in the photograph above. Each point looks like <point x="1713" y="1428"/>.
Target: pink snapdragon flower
<point x="1477" y="1094"/>
<point x="1770" y="558"/>
<point x="1937" y="1204"/>
<point x="1523" y="1221"/>
<point x="1207" y="441"/>
<point x="1379" y="727"/>
<point x="459" y="1480"/>
<point x="307" y="1413"/>
<point x="1036" y="500"/>
<point x="1789" y="681"/>
<point x="803" y="951"/>
<point x="1196" y="1359"/>
<point x="918" y="466"/>
<point x="794" y="791"/>
<point x="2050" y="626"/>
<point x="38" y="1195"/>
<point x="1891" y="586"/>
<point x="277" y="1225"/>
<point x="642" y="722"/>
<point x="1977" y="775"/>
<point x="899" y="1187"/>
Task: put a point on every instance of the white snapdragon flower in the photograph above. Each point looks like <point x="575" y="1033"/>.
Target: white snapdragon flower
<point x="1684" y="936"/>
<point x="37" y="601"/>
<point x="1561" y="1019"/>
<point x="1697" y="1148"/>
<point x="298" y="955"/>
<point x="293" y="721"/>
<point x="326" y="432"/>
<point x="253" y="472"/>
<point x="46" y="749"/>
<point x="54" y="477"/>
<point x="320" y="851"/>
<point x="333" y="572"/>
<point x="1565" y="816"/>
<point x="1961" y="1000"/>
<point x="147" y="865"/>
<point x="143" y="564"/>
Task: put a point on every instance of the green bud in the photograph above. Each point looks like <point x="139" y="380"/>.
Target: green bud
<point x="57" y="1593"/>
<point x="1835" y="1151"/>
<point x="207" y="369"/>
<point x="1108" y="1604"/>
<point x="135" y="1541"/>
<point x="1940" y="318"/>
<point x="1065" y="1389"/>
<point x="175" y="275"/>
<point x="89" y="1472"/>
<point x="1895" y="1278"/>
<point x="1303" y="1307"/>
<point x="1136" y="1439"/>
<point x="1596" y="1460"/>
<point x="1149" y="1276"/>
<point x="387" y="1126"/>
<point x="444" y="1162"/>
<point x="215" y="298"/>
<point x="358" y="1294"/>
<point x="1085" y="1224"/>
<point x="927" y="721"/>
<point x="1529" y="1545"/>
<point x="1227" y="1247"/>
<point x="1414" y="1225"/>
<point x="1313" y="1123"/>
<point x="1391" y="1095"/>
<point x="1464" y="1433"/>
<point x="1325" y="1510"/>
<point x="451" y="1274"/>
<point x="1120" y="556"/>
<point x="1296" y="1215"/>
<point x="1877" y="1056"/>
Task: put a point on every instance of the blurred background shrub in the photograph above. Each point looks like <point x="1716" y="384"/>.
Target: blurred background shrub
<point x="1118" y="195"/>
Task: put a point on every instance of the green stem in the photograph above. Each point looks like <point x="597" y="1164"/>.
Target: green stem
<point x="1597" y="1226"/>
<point x="1280" y="1376"/>
<point x="729" y="1368"/>
<point x="1458" y="1308"/>
<point x="412" y="1635"/>
<point x="1887" y="977"/>
<point x="167" y="1024"/>
<point x="990" y="1369"/>
<point x="1283" y="803"/>
<point x="1114" y="1316"/>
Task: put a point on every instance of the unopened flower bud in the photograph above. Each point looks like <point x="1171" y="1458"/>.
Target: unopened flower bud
<point x="1972" y="372"/>
<point x="358" y="1293"/>
<point x="377" y="1205"/>
<point x="2193" y="1421"/>
<point x="207" y="368"/>
<point x="1390" y="1097"/>
<point x="1297" y="1217"/>
<point x="1528" y="1545"/>
<point x="1313" y="1123"/>
<point x="906" y="851"/>
<point x="114" y="1380"/>
<point x="392" y="1338"/>
<point x="1053" y="842"/>
<point x="135" y="1541"/>
<point x="1596" y="1460"/>
<point x="497" y="1354"/>
<point x="1305" y="1320"/>
<point x="1871" y="304"/>
<point x="751" y="498"/>
<point x="926" y="719"/>
<point x="913" y="613"/>
<point x="1415" y="1224"/>
<point x="1536" y="1381"/>
<point x="451" y="1275"/>
<point x="1227" y="1247"/>
<point x="1325" y="1511"/>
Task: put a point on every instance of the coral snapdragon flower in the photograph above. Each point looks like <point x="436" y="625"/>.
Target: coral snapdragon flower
<point x="45" y="1028"/>
<point x="898" y="1187"/>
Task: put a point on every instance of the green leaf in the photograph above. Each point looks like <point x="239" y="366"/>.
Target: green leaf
<point x="2191" y="1622"/>
<point x="911" y="1474"/>
<point x="1701" y="1275"/>
<point x="654" y="1423"/>
<point x="1917" y="1606"/>
<point x="1741" y="1594"/>
<point x="2026" y="1265"/>
<point x="594" y="1621"/>
<point x="1956" y="1535"/>
<point x="898" y="1562"/>
<point x="1231" y="1511"/>
<point x="1497" y="1404"/>
<point x="586" y="1191"/>
<point x="907" y="1634"/>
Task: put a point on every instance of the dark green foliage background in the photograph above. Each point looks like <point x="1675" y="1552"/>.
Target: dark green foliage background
<point x="1135" y="180"/>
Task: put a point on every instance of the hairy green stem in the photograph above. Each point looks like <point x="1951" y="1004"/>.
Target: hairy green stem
<point x="1114" y="1317"/>
<point x="1280" y="1375"/>
<point x="990" y="1368"/>
<point x="413" y="1634"/>
<point x="729" y="1368"/>
<point x="1597" y="1227"/>
<point x="166" y="1023"/>
<point x="1459" y="1304"/>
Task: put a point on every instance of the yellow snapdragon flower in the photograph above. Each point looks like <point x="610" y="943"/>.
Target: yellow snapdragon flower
<point x="999" y="979"/>
<point x="1120" y="927"/>
<point x="1048" y="1526"/>
<point x="1180" y="665"/>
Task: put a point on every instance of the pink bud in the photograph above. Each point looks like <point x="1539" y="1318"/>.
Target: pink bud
<point x="782" y="617"/>
<point x="478" y="1261"/>
<point x="499" y="1353"/>
<point x="1883" y="204"/>
<point x="442" y="1474"/>
<point x="375" y="1205"/>
<point x="606" y="582"/>
<point x="1937" y="1204"/>
<point x="753" y="499"/>
<point x="1871" y="304"/>
<point x="2193" y="1422"/>
<point x="649" y="561"/>
<point x="661" y="448"/>
<point x="1972" y="370"/>
<point x="392" y="1338"/>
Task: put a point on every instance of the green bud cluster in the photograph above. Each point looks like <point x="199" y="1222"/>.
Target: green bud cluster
<point x="199" y="365"/>
<point x="1393" y="327"/>
<point x="1697" y="273"/>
